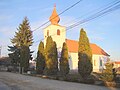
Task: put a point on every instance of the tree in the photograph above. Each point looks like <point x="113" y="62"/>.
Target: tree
<point x="64" y="64"/>
<point x="51" y="67"/>
<point x="107" y="74"/>
<point x="14" y="55"/>
<point x="55" y="58"/>
<point x="24" y="35"/>
<point x="84" y="55"/>
<point x="40" y="64"/>
<point x="24" y="58"/>
<point x="23" y="39"/>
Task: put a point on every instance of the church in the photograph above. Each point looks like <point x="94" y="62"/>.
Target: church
<point x="58" y="34"/>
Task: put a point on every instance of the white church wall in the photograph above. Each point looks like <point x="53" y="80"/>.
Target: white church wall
<point x="97" y="60"/>
<point x="73" y="61"/>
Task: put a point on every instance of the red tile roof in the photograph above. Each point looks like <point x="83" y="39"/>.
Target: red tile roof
<point x="73" y="47"/>
<point x="117" y="62"/>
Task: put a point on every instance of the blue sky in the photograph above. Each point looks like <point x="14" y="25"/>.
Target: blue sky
<point x="104" y="31"/>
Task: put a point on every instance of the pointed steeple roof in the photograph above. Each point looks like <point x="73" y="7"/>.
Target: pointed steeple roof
<point x="54" y="18"/>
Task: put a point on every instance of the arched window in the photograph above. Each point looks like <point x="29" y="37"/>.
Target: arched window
<point x="100" y="62"/>
<point x="47" y="32"/>
<point x="94" y="62"/>
<point x="58" y="32"/>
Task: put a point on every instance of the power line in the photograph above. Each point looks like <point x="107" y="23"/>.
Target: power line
<point x="59" y="14"/>
<point x="104" y="11"/>
<point x="98" y="14"/>
<point x="86" y="14"/>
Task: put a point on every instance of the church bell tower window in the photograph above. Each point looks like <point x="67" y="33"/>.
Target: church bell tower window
<point x="58" y="32"/>
<point x="47" y="32"/>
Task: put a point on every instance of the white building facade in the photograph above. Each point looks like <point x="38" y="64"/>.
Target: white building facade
<point x="58" y="34"/>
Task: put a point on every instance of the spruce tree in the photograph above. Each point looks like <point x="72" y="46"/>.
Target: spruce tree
<point x="64" y="64"/>
<point x="84" y="55"/>
<point x="23" y="39"/>
<point x="51" y="57"/>
<point x="14" y="55"/>
<point x="40" y="64"/>
<point x="24" y="58"/>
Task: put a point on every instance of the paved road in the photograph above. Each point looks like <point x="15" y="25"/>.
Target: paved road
<point x="11" y="81"/>
<point x="3" y="86"/>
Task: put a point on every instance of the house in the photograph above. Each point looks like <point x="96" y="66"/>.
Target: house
<point x="58" y="33"/>
<point x="116" y="64"/>
<point x="4" y="63"/>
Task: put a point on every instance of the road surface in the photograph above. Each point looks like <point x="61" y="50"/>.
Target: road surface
<point x="12" y="81"/>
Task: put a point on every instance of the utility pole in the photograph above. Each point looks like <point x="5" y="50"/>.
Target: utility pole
<point x="0" y="50"/>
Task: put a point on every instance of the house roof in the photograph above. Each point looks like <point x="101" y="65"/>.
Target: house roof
<point x="117" y="62"/>
<point x="73" y="47"/>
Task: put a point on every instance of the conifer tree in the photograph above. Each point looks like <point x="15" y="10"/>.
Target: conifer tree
<point x="51" y="57"/>
<point x="84" y="55"/>
<point x="64" y="64"/>
<point x="24" y="58"/>
<point x="107" y="74"/>
<point x="55" y="58"/>
<point x="23" y="39"/>
<point x="40" y="64"/>
<point x="24" y="35"/>
<point x="14" y="55"/>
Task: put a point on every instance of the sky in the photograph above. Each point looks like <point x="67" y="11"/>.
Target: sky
<point x="103" y="31"/>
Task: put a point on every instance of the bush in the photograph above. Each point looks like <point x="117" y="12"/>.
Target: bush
<point x="88" y="80"/>
<point x="107" y="77"/>
<point x="107" y="74"/>
<point x="110" y="84"/>
<point x="77" y="78"/>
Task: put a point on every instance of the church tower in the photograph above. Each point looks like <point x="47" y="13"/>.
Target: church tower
<point x="56" y="31"/>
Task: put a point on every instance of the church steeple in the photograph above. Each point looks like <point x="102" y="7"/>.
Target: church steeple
<point x="54" y="18"/>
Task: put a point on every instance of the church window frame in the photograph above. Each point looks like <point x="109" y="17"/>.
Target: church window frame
<point x="94" y="62"/>
<point x="101" y="62"/>
<point x="47" y="32"/>
<point x="58" y="31"/>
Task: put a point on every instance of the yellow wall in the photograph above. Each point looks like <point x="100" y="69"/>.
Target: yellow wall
<point x="116" y="65"/>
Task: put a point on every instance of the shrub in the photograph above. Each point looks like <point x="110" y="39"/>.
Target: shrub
<point x="107" y="74"/>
